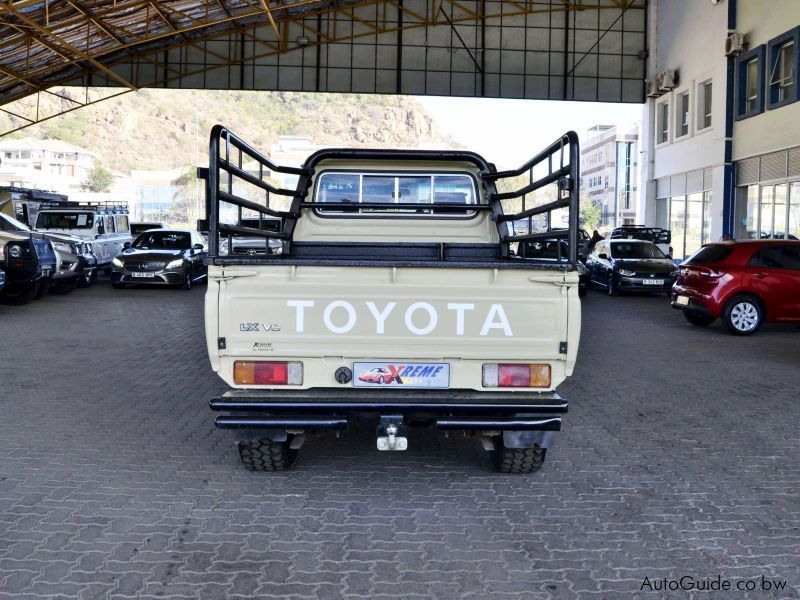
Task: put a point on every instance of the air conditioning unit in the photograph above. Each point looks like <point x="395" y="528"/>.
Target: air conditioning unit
<point x="668" y="80"/>
<point x="734" y="44"/>
<point x="652" y="88"/>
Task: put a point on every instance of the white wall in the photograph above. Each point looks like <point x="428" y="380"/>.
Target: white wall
<point x="690" y="37"/>
<point x="760" y="21"/>
<point x="687" y="35"/>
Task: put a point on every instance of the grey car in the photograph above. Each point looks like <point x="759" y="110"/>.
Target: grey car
<point x="161" y="257"/>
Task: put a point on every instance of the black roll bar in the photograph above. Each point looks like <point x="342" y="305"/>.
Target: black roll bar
<point x="232" y="159"/>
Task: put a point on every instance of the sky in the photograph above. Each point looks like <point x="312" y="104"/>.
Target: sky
<point x="509" y="132"/>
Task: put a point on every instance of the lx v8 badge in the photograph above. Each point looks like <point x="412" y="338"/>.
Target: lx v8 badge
<point x="256" y="327"/>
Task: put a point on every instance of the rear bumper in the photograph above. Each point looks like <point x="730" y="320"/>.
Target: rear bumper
<point x="332" y="409"/>
<point x="699" y="303"/>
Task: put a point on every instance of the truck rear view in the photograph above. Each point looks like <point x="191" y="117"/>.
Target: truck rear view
<point x="390" y="291"/>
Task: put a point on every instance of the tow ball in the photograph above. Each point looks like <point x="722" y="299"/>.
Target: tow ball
<point x="392" y="433"/>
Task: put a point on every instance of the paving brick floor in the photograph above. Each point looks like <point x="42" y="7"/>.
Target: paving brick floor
<point x="680" y="456"/>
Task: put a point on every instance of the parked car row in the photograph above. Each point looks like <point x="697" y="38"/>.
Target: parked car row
<point x="744" y="284"/>
<point x="72" y="242"/>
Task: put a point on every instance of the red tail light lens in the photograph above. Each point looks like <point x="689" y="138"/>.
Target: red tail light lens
<point x="267" y="373"/>
<point x="515" y="375"/>
<point x="702" y="272"/>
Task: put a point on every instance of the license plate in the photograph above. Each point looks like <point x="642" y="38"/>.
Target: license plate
<point x="402" y="374"/>
<point x="682" y="300"/>
<point x="653" y="281"/>
<point x="143" y="275"/>
<point x="45" y="272"/>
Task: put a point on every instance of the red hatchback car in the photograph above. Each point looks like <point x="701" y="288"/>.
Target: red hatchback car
<point x="742" y="283"/>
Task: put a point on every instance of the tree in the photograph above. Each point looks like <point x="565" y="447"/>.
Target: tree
<point x="99" y="180"/>
<point x="590" y="214"/>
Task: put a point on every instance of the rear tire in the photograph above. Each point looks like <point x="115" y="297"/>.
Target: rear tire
<point x="698" y="320"/>
<point x="17" y="295"/>
<point x="266" y="455"/>
<point x="743" y="315"/>
<point x="519" y="460"/>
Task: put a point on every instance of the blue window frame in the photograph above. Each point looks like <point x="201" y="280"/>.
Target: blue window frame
<point x="781" y="76"/>
<point x="750" y="83"/>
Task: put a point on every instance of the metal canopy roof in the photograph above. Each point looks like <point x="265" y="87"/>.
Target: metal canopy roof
<point x="544" y="49"/>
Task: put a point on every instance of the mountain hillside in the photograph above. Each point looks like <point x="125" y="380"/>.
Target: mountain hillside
<point x="163" y="129"/>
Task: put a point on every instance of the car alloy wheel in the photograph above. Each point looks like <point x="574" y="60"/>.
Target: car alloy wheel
<point x="745" y="316"/>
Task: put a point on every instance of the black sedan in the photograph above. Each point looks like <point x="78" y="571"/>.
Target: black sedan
<point x="161" y="257"/>
<point x="631" y="266"/>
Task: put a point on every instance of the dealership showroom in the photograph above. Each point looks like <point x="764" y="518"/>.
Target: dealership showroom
<point x="399" y="299"/>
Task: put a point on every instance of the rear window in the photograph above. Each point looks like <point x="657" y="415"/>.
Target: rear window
<point x="64" y="220"/>
<point x="351" y="189"/>
<point x="710" y="254"/>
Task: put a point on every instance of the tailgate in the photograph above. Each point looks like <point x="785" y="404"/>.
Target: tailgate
<point x="330" y="316"/>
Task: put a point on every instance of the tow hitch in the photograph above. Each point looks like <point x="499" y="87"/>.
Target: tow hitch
<point x="392" y="433"/>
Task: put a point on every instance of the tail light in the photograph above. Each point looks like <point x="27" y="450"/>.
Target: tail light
<point x="247" y="372"/>
<point x="515" y="375"/>
<point x="701" y="272"/>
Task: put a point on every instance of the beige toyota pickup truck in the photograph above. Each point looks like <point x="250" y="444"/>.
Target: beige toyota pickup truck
<point x="397" y="297"/>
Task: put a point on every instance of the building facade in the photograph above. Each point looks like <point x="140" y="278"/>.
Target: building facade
<point x="720" y="149"/>
<point x="44" y="164"/>
<point x="609" y="173"/>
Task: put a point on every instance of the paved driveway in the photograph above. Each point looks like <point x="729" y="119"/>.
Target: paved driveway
<point x="680" y="457"/>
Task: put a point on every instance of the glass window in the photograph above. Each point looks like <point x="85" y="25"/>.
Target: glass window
<point x="354" y="188"/>
<point x="706" y="218"/>
<point x="64" y="220"/>
<point x="663" y="123"/>
<point x="781" y="80"/>
<point x="706" y="98"/>
<point x="776" y="257"/>
<point x="163" y="240"/>
<point x="339" y="187"/>
<point x="694" y="223"/>
<point x="751" y="86"/>
<point x="110" y="224"/>
<point x="11" y="224"/>
<point x="794" y="210"/>
<point x="677" y="223"/>
<point x="779" y="210"/>
<point x="711" y="254"/>
<point x="101" y="225"/>
<point x="122" y="223"/>
<point x="635" y="250"/>
<point x="378" y="188"/>
<point x="766" y="213"/>
<point x="682" y="115"/>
